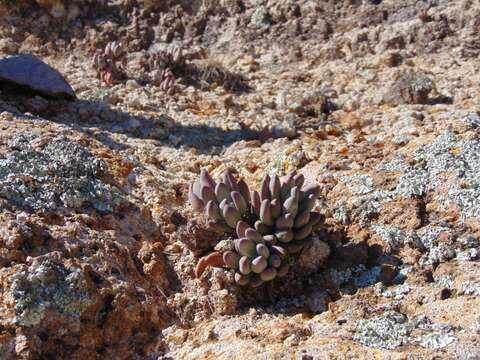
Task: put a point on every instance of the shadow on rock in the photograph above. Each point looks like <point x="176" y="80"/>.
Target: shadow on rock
<point x="97" y="119"/>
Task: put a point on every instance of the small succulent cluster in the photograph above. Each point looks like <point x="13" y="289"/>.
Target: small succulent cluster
<point x="267" y="225"/>
<point x="170" y="59"/>
<point x="110" y="63"/>
<point x="165" y="79"/>
<point x="161" y="66"/>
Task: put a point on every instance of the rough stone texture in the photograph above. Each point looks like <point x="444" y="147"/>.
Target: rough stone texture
<point x="58" y="174"/>
<point x="377" y="101"/>
<point x="30" y="72"/>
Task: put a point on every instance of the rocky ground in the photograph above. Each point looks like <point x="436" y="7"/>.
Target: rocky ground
<point x="376" y="101"/>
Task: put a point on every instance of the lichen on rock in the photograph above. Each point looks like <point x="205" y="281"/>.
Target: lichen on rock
<point x="46" y="286"/>
<point x="61" y="174"/>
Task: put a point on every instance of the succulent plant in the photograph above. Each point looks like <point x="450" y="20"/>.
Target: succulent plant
<point x="266" y="225"/>
<point x="110" y="63"/>
<point x="165" y="79"/>
<point x="167" y="59"/>
<point x="161" y="66"/>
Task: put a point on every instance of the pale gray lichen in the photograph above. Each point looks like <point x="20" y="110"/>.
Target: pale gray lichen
<point x="398" y="293"/>
<point x="437" y="340"/>
<point x="340" y="213"/>
<point x="403" y="272"/>
<point x="358" y="184"/>
<point x="413" y="183"/>
<point x="385" y="332"/>
<point x="473" y="120"/>
<point x="476" y="326"/>
<point x="368" y="205"/>
<point x="447" y="162"/>
<point x="438" y="254"/>
<point x="393" y="330"/>
<point x="445" y="281"/>
<point x="359" y="275"/>
<point x="391" y="234"/>
<point x="426" y="237"/>
<point x="48" y="286"/>
<point x="468" y="255"/>
<point x="471" y="288"/>
<point x="61" y="174"/>
<point x="397" y="164"/>
<point x="260" y="17"/>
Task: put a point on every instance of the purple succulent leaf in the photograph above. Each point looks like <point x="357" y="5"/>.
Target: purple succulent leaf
<point x="284" y="236"/>
<point x="303" y="232"/>
<point x="265" y="213"/>
<point x="302" y="219"/>
<point x="197" y="189"/>
<point x="308" y="204"/>
<point x="290" y="206"/>
<point x="231" y="216"/>
<point x="269" y="239"/>
<point x="256" y="202"/>
<point x="275" y="261"/>
<point x="311" y="189"/>
<point x="259" y="264"/>
<point x="274" y="187"/>
<point x="212" y="210"/>
<point x="253" y="235"/>
<point x="299" y="180"/>
<point x="196" y="202"/>
<point x="264" y="189"/>
<point x="231" y="259"/>
<point x="284" y="222"/>
<point x="246" y="247"/>
<point x="244" y="265"/>
<point x="206" y="179"/>
<point x="275" y="208"/>
<point x="283" y="270"/>
<point x="208" y="194"/>
<point x="262" y="250"/>
<point x="268" y="274"/>
<point x="222" y="192"/>
<point x="244" y="190"/>
<point x="240" y="229"/>
<point x="262" y="228"/>
<point x="241" y="279"/>
<point x="230" y="180"/>
<point x="239" y="201"/>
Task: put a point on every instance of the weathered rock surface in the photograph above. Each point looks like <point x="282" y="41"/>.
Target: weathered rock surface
<point x="377" y="101"/>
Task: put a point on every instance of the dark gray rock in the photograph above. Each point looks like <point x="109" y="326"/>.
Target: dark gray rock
<point x="28" y="71"/>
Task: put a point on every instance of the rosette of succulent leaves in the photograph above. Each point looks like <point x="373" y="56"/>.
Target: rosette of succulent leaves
<point x="266" y="225"/>
<point x="162" y="65"/>
<point x="110" y="63"/>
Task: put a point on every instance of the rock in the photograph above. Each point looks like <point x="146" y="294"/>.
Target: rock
<point x="410" y="89"/>
<point x="317" y="302"/>
<point x="28" y="71"/>
<point x="314" y="254"/>
<point x="387" y="274"/>
<point x="349" y="255"/>
<point x="62" y="174"/>
<point x="261" y="17"/>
